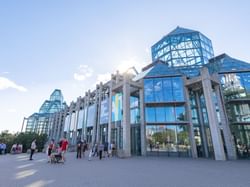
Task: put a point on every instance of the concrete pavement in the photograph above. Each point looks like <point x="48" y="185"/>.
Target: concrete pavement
<point x="17" y="170"/>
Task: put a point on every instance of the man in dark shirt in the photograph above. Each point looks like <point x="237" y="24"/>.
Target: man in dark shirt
<point x="79" y="149"/>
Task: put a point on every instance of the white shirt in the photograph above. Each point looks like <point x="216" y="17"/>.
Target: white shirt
<point x="33" y="145"/>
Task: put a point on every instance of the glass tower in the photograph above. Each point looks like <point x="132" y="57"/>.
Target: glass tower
<point x="183" y="47"/>
<point x="39" y="122"/>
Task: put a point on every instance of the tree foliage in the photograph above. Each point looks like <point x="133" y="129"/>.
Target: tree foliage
<point x="23" y="138"/>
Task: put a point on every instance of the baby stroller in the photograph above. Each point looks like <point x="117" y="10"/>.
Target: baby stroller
<point x="56" y="157"/>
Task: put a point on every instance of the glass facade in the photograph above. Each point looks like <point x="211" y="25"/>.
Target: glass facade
<point x="183" y="47"/>
<point x="104" y="112"/>
<point x="167" y="89"/>
<point x="241" y="135"/>
<point x="91" y="116"/>
<point x="117" y="107"/>
<point x="168" y="138"/>
<point x="177" y="58"/>
<point x="80" y="119"/>
<point x="39" y="122"/>
<point x="165" y="105"/>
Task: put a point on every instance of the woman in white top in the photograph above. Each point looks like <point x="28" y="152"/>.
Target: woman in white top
<point x="32" y="148"/>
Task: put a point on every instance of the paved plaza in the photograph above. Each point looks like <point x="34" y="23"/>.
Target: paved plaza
<point x="17" y="170"/>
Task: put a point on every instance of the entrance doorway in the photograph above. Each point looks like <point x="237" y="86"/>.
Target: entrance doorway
<point x="135" y="140"/>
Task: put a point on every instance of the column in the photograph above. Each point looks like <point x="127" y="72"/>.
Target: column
<point x="126" y="118"/>
<point x="190" y="126"/>
<point x="142" y="121"/>
<point x="229" y="142"/>
<point x="212" y="117"/>
<point x="110" y="112"/>
<point x="94" y="140"/>
<point x="99" y="114"/>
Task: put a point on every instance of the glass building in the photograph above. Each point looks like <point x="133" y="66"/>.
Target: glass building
<point x="186" y="103"/>
<point x="39" y="122"/>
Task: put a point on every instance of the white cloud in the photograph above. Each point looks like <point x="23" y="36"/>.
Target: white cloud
<point x="83" y="72"/>
<point x="6" y="83"/>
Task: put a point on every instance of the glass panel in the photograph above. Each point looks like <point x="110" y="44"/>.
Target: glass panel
<point x="66" y="125"/>
<point x="150" y="114"/>
<point x="167" y="89"/>
<point x="178" y="89"/>
<point x="104" y="111"/>
<point x="117" y="107"/>
<point x="170" y="114"/>
<point x="134" y="116"/>
<point x="73" y="122"/>
<point x="241" y="135"/>
<point x="160" y="114"/>
<point x="180" y="113"/>
<point x="183" y="138"/>
<point x="158" y="90"/>
<point x="238" y="112"/>
<point x="80" y="119"/>
<point x="148" y="90"/>
<point x="91" y="116"/>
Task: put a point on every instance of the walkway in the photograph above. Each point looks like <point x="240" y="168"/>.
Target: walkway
<point x="17" y="170"/>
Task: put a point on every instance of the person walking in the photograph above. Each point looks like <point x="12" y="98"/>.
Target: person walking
<point x="106" y="146"/>
<point x="64" y="147"/>
<point x="79" y="149"/>
<point x="51" y="147"/>
<point x="32" y="148"/>
<point x="113" y="148"/>
<point x="100" y="149"/>
<point x="85" y="147"/>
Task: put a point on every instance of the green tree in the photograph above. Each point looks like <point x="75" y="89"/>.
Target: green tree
<point x="7" y="138"/>
<point x="23" y="138"/>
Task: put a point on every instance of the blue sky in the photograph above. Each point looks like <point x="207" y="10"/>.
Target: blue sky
<point x="71" y="45"/>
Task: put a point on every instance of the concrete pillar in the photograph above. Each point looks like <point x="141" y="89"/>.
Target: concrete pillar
<point x="190" y="126"/>
<point x="68" y="130"/>
<point x="142" y="121"/>
<point x="202" y="125"/>
<point x="74" y="136"/>
<point x="99" y="97"/>
<point x="212" y="117"/>
<point x="110" y="112"/>
<point x="229" y="141"/>
<point x="94" y="137"/>
<point x="83" y="135"/>
<point x="126" y="118"/>
<point x="86" y="105"/>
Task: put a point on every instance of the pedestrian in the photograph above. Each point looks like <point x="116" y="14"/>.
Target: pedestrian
<point x="79" y="149"/>
<point x="95" y="150"/>
<point x="100" y="150"/>
<point x="85" y="147"/>
<point x="64" y="147"/>
<point x="51" y="147"/>
<point x="4" y="148"/>
<point x="1" y="148"/>
<point x="112" y="145"/>
<point x="106" y="153"/>
<point x="32" y="148"/>
<point x="91" y="152"/>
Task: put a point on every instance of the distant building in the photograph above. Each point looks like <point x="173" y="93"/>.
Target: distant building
<point x="39" y="122"/>
<point x="185" y="103"/>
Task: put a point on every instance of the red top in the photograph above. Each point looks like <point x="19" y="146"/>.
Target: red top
<point x="64" y="145"/>
<point x="51" y="145"/>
